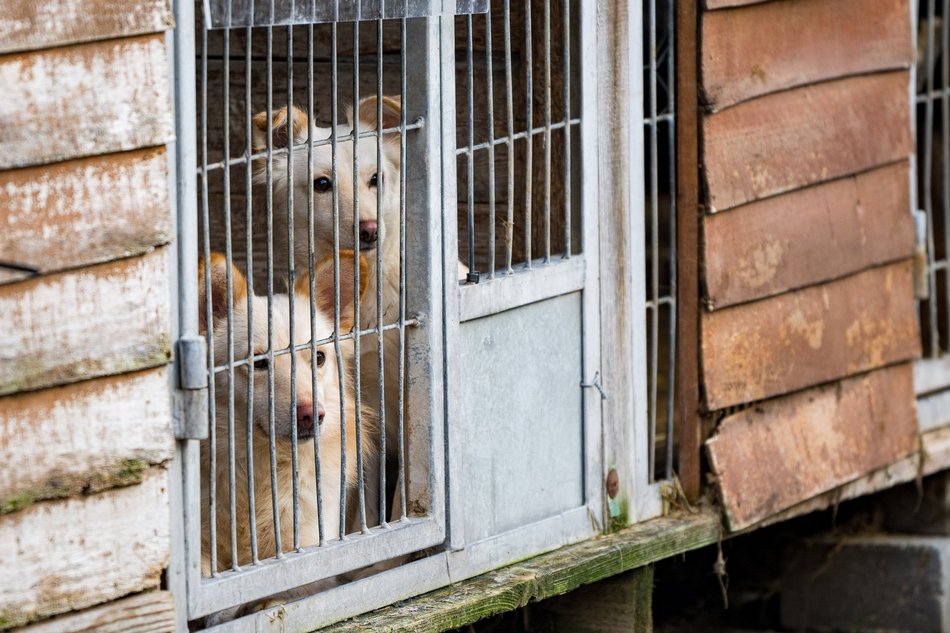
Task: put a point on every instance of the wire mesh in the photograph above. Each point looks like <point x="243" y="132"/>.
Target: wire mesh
<point x="659" y="112"/>
<point x="518" y="121"/>
<point x="933" y="168"/>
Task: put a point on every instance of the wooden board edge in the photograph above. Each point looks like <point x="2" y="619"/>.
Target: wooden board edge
<point x="153" y="611"/>
<point x="688" y="248"/>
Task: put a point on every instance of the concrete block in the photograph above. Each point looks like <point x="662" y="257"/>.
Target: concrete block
<point x="871" y="583"/>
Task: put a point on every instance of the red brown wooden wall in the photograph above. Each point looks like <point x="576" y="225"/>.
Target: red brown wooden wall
<point x="808" y="327"/>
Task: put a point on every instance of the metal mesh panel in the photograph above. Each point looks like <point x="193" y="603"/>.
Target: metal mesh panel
<point x="659" y="111"/>
<point x="307" y="136"/>
<point x="933" y="169"/>
<point x="517" y="97"/>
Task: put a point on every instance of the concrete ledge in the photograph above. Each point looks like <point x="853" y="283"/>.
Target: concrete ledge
<point x="869" y="583"/>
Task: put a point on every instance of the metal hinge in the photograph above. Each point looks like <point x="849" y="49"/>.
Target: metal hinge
<point x="596" y="384"/>
<point x="921" y="260"/>
<point x="191" y="420"/>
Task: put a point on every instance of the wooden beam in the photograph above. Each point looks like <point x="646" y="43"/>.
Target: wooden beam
<point x="542" y="577"/>
<point x="781" y="452"/>
<point x="84" y="437"/>
<point x="84" y="211"/>
<point x="149" y="612"/>
<point x="688" y="248"/>
<point x="621" y="604"/>
<point x="808" y="236"/>
<point x="803" y="338"/>
<point x="764" y="48"/>
<point x="33" y="24"/>
<point x="106" y="319"/>
<point x="791" y="139"/>
<point x="65" y="555"/>
<point x="84" y="100"/>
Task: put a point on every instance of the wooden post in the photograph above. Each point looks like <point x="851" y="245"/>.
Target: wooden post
<point x="621" y="604"/>
<point x="688" y="215"/>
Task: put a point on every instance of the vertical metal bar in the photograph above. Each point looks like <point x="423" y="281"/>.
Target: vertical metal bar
<point x="510" y="116"/>
<point x="271" y="404"/>
<point x="928" y="179"/>
<point x="547" y="131"/>
<point x="226" y="173"/>
<point x="566" y="73"/>
<point x="311" y="264"/>
<point x="945" y="189"/>
<point x="529" y="135"/>
<point x="248" y="242"/>
<point x="379" y="270"/>
<point x="361" y="496"/>
<point x="470" y="155"/>
<point x="341" y="373"/>
<point x="184" y="569"/>
<point x="654" y="238"/>
<point x="671" y="166"/>
<point x="489" y="86"/>
<point x="209" y="317"/>
<point x="400" y="437"/>
<point x="291" y="273"/>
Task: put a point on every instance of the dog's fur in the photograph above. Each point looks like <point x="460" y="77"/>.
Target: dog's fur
<point x="282" y="129"/>
<point x="328" y="377"/>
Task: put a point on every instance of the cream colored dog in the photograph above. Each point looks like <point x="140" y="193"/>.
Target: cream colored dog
<point x="378" y="227"/>
<point x="320" y="416"/>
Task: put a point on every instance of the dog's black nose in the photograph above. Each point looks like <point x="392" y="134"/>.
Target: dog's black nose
<point x="368" y="234"/>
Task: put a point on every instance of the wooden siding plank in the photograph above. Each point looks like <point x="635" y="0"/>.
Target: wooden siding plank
<point x="65" y="555"/>
<point x="721" y="4"/>
<point x="800" y="137"/>
<point x="785" y="343"/>
<point x="752" y="51"/>
<point x="84" y="211"/>
<point x="84" y="100"/>
<point x="62" y="457"/>
<point x="106" y="319"/>
<point x="808" y="236"/>
<point x="781" y="452"/>
<point x="33" y="24"/>
<point x="151" y="612"/>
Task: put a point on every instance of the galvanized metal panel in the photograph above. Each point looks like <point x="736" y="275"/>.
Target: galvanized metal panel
<point x="522" y="417"/>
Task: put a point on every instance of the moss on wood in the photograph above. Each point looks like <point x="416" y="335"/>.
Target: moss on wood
<point x="541" y="577"/>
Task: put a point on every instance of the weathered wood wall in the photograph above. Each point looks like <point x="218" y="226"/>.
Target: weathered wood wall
<point x="85" y="406"/>
<point x="808" y="316"/>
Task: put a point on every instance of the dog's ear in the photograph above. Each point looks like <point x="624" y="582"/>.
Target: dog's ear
<point x="368" y="110"/>
<point x="219" y="288"/>
<point x="279" y="128"/>
<point x="323" y="275"/>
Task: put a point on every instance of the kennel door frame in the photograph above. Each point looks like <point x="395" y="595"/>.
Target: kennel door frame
<point x="491" y="296"/>
<point x="424" y="348"/>
<point x="931" y="371"/>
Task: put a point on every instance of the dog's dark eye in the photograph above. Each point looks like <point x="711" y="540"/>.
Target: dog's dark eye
<point x="321" y="358"/>
<point x="373" y="181"/>
<point x="260" y="364"/>
<point x="322" y="184"/>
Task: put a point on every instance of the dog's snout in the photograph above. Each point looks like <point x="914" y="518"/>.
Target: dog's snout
<point x="320" y="413"/>
<point x="305" y="417"/>
<point x="368" y="234"/>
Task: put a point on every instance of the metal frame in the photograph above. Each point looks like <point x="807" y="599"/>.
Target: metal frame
<point x="442" y="315"/>
<point x="932" y="372"/>
<point x="424" y="347"/>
